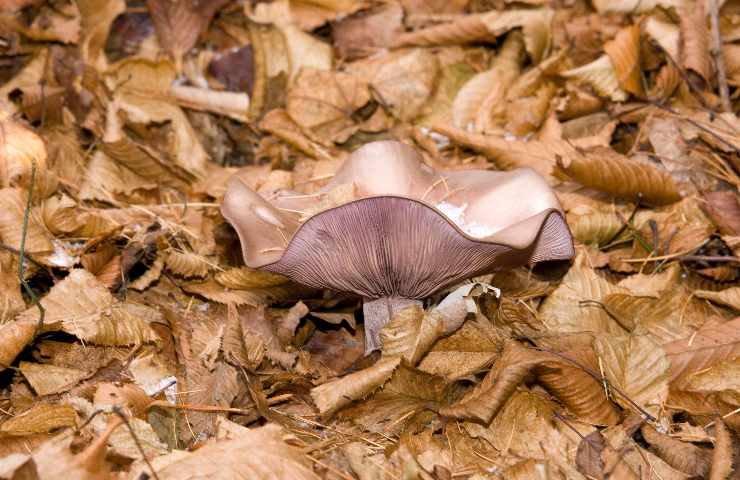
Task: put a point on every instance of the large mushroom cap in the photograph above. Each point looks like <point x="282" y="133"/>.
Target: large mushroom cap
<point x="408" y="230"/>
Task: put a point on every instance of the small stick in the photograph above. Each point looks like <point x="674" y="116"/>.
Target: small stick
<point x="22" y="254"/>
<point x="724" y="90"/>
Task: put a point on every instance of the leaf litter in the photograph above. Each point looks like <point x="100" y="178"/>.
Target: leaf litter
<point x="135" y="343"/>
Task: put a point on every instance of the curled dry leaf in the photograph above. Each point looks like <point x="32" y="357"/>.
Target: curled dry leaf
<point x="601" y="76"/>
<point x="685" y="457"/>
<point x="624" y="53"/>
<point x="334" y="395"/>
<point x="476" y="101"/>
<point x="695" y="42"/>
<point x="576" y="389"/>
<point x="486" y="399"/>
<point x="606" y="170"/>
<point x="96" y="19"/>
<point x="38" y="238"/>
<point x="20" y="150"/>
<point x="725" y="453"/>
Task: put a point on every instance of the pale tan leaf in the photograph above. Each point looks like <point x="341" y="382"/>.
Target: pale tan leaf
<point x="18" y="466"/>
<point x="624" y="53"/>
<point x="634" y="6"/>
<point x="49" y="379"/>
<point x="231" y="104"/>
<point x="729" y="297"/>
<point x="259" y="453"/>
<point x="606" y="170"/>
<point x="637" y="366"/>
<point x="322" y="103"/>
<point x="724" y="209"/>
<point x="12" y="209"/>
<point x="568" y="309"/>
<point x="55" y="459"/>
<point x="331" y="396"/>
<point x="20" y="150"/>
<point x="714" y="342"/>
<point x="42" y="418"/>
<point x="601" y="76"/>
<point x="14" y="336"/>
<point x="595" y="227"/>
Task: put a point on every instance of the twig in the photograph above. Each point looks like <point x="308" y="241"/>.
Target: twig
<point x="22" y="254"/>
<point x="122" y="416"/>
<point x="724" y="90"/>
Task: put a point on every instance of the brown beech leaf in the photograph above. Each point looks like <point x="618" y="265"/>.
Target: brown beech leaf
<point x="637" y="366"/>
<point x="576" y="389"/>
<point x="256" y="453"/>
<point x="724" y="209"/>
<point x="409" y="392"/>
<point x="20" y="150"/>
<point x="402" y="81"/>
<point x="231" y="104"/>
<point x="714" y="342"/>
<point x="42" y="418"/>
<point x="96" y="19"/>
<point x="82" y="306"/>
<point x="724" y="460"/>
<point x="486" y="26"/>
<point x="606" y="170"/>
<point x="695" y="41"/>
<point x="187" y="264"/>
<point x="729" y="297"/>
<point x="14" y="336"/>
<point x="50" y="379"/>
<point x="38" y="238"/>
<point x="323" y="104"/>
<point x="683" y="456"/>
<point x="366" y="32"/>
<point x="624" y="53"/>
<point x="570" y="307"/>
<point x="245" y="278"/>
<point x="486" y="399"/>
<point x="476" y="102"/>
<point x="179" y="24"/>
<point x="541" y="156"/>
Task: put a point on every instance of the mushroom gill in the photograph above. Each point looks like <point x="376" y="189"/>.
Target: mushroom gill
<point x="399" y="231"/>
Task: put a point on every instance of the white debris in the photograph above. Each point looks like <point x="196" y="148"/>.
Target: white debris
<point x="457" y="215"/>
<point x="61" y="257"/>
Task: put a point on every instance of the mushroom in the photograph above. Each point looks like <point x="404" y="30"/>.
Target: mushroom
<point x="392" y="230"/>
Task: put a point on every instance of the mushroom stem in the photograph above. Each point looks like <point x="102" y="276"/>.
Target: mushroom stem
<point x="378" y="313"/>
